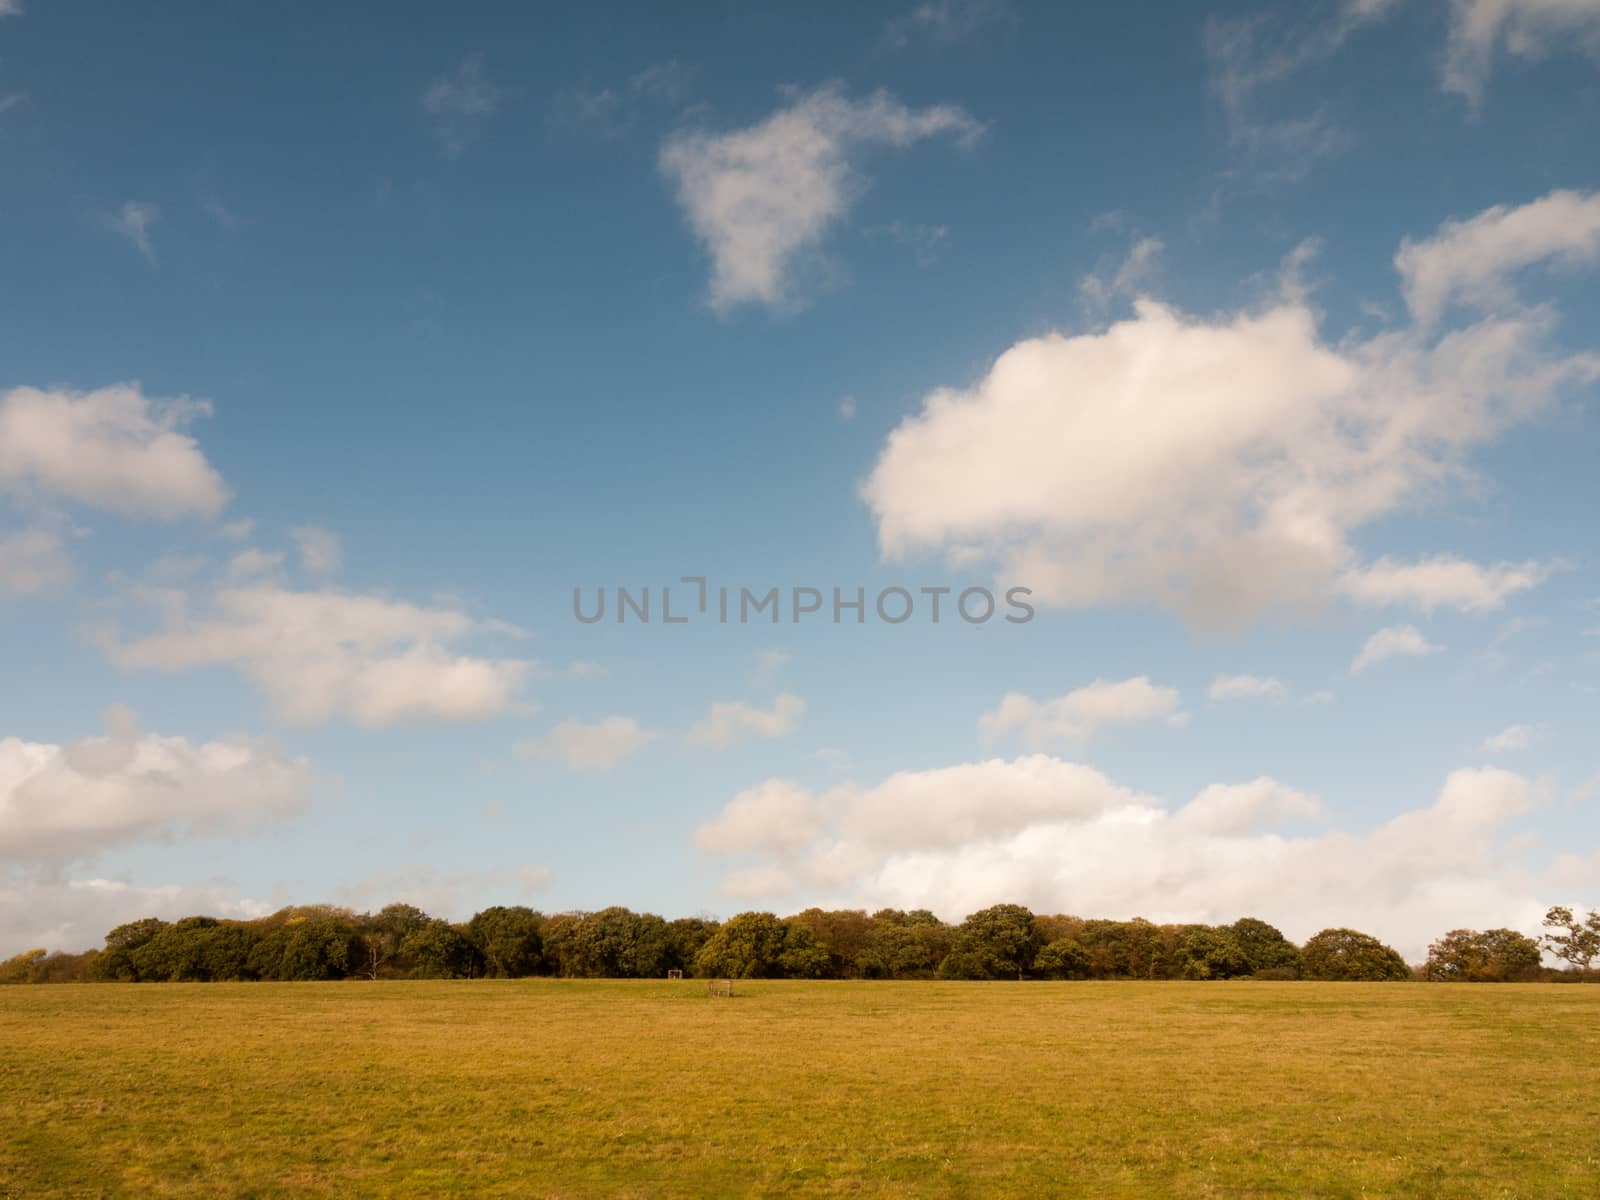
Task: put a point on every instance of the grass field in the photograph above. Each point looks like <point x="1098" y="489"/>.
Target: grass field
<point x="566" y="1088"/>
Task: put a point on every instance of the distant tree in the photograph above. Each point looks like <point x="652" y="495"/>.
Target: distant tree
<point x="1265" y="948"/>
<point x="748" y="946"/>
<point x="1062" y="959"/>
<point x="994" y="943"/>
<point x="1487" y="956"/>
<point x="384" y="932"/>
<point x="1348" y="955"/>
<point x="1574" y="940"/>
<point x="905" y="945"/>
<point x="438" y="950"/>
<point x="684" y="938"/>
<point x="24" y="967"/>
<point x="614" y="943"/>
<point x="1213" y="952"/>
<point x="306" y="944"/>
<point x="803" y="956"/>
<point x="116" y="962"/>
<point x="844" y="934"/>
<point x="508" y="938"/>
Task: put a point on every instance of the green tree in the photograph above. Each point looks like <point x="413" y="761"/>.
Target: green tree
<point x="685" y="937"/>
<point x="1213" y="952"/>
<point x="116" y="961"/>
<point x="905" y="945"/>
<point x="1487" y="956"/>
<point x="438" y="950"/>
<point x="1346" y="954"/>
<point x="383" y="933"/>
<point x="1574" y="940"/>
<point x="1265" y="948"/>
<point x="1063" y="958"/>
<point x="748" y="946"/>
<point x="994" y="943"/>
<point x="508" y="938"/>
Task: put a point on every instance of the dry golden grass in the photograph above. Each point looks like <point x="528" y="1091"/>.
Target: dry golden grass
<point x="566" y="1088"/>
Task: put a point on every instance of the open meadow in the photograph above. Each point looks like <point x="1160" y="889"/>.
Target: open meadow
<point x="576" y="1088"/>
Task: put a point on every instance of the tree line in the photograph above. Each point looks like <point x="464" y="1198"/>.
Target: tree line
<point x="1006" y="941"/>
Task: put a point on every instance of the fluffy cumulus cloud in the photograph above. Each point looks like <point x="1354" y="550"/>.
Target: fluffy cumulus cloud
<point x="762" y="197"/>
<point x="1213" y="466"/>
<point x="1061" y="837"/>
<point x="60" y="803"/>
<point x="1081" y="714"/>
<point x="777" y="815"/>
<point x="588" y="747"/>
<point x="1527" y="29"/>
<point x="74" y="914"/>
<point x="1442" y="582"/>
<point x="113" y="449"/>
<point x="730" y="722"/>
<point x="1397" y="641"/>
<point x="322" y="654"/>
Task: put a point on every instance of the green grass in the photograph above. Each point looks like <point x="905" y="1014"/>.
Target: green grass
<point x="566" y="1088"/>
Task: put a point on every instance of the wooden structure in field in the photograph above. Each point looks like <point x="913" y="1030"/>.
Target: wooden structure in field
<point x="674" y="974"/>
<point x="719" y="987"/>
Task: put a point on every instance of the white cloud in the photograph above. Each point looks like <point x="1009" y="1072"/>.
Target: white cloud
<point x="1216" y="467"/>
<point x="453" y="895"/>
<point x="60" y="803"/>
<point x="253" y="564"/>
<point x="1441" y="582"/>
<point x="847" y="409"/>
<point x="320" y="551"/>
<point x="459" y="102"/>
<point x="596" y="747"/>
<point x="1127" y="279"/>
<point x="1399" y="641"/>
<point x="1472" y="262"/>
<point x="10" y="8"/>
<point x="730" y="722"/>
<point x="773" y="816"/>
<point x="1060" y="837"/>
<point x="1512" y="738"/>
<point x="114" y="449"/>
<point x="1247" y="687"/>
<point x="32" y="561"/>
<point x="1081" y="714"/>
<point x="770" y="661"/>
<point x="1528" y="29"/>
<point x="1248" y="56"/>
<point x="1237" y="808"/>
<point x="761" y="197"/>
<point x="945" y="22"/>
<point x="323" y="654"/>
<point x="76" y="914"/>
<point x="133" y="222"/>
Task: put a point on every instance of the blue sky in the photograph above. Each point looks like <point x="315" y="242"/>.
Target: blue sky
<point x="338" y="347"/>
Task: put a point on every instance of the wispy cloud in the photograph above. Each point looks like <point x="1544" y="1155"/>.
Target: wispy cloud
<point x="133" y="222"/>
<point x="459" y="102"/>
